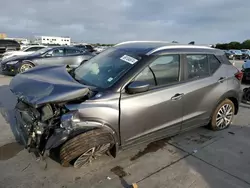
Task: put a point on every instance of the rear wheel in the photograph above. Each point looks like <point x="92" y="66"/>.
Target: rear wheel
<point x="223" y="115"/>
<point x="24" y="67"/>
<point x="84" y="148"/>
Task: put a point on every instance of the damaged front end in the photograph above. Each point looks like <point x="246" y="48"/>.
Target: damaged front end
<point x="45" y="127"/>
<point x="43" y="121"/>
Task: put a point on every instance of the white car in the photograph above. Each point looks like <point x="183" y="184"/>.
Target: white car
<point x="24" y="51"/>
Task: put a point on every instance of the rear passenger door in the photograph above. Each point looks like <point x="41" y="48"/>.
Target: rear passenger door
<point x="73" y="57"/>
<point x="206" y="82"/>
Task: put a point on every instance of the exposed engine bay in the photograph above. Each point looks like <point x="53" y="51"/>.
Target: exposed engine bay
<point x="37" y="125"/>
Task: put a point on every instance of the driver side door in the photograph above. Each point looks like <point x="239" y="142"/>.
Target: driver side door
<point x="156" y="113"/>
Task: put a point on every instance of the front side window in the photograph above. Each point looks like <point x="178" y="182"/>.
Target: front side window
<point x="166" y="69"/>
<point x="146" y="76"/>
<point x="56" y="52"/>
<point x="197" y="66"/>
<point x="162" y="71"/>
<point x="106" y="68"/>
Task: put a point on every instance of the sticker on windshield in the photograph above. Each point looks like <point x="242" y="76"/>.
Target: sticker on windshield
<point x="129" y="59"/>
<point x="110" y="79"/>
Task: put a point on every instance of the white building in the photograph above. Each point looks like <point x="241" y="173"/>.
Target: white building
<point x="52" y="40"/>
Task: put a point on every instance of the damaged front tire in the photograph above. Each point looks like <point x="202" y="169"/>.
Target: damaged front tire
<point x="84" y="148"/>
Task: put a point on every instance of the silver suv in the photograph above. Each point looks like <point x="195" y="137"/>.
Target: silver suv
<point x="134" y="92"/>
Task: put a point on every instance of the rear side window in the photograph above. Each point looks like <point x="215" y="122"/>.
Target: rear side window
<point x="71" y="51"/>
<point x="197" y="66"/>
<point x="214" y="63"/>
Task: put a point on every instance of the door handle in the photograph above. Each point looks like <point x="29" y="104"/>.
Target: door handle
<point x="222" y="79"/>
<point x="177" y="96"/>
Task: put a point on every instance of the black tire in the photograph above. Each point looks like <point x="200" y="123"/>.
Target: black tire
<point x="29" y="65"/>
<point x="212" y="124"/>
<point x="74" y="148"/>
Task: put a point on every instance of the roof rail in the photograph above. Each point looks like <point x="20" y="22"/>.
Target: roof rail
<point x="176" y="47"/>
<point x="128" y="42"/>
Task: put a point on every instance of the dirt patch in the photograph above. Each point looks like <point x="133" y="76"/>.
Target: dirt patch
<point x="10" y="150"/>
<point x="199" y="139"/>
<point x="119" y="171"/>
<point x="152" y="147"/>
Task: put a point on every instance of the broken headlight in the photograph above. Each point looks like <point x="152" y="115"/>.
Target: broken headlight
<point x="69" y="120"/>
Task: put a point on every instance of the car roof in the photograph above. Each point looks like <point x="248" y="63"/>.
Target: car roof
<point x="156" y="47"/>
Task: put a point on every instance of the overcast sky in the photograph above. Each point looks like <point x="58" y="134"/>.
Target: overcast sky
<point x="112" y="21"/>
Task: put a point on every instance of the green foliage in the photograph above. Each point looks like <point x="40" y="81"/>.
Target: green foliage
<point x="234" y="45"/>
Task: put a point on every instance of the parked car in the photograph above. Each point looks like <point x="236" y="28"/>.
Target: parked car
<point x="229" y="54"/>
<point x="245" y="53"/>
<point x="237" y="54"/>
<point x="62" y="55"/>
<point x="26" y="51"/>
<point x="8" y="45"/>
<point x="246" y="71"/>
<point x="134" y="92"/>
<point x="86" y="47"/>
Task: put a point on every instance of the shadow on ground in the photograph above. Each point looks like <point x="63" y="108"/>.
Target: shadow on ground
<point x="198" y="158"/>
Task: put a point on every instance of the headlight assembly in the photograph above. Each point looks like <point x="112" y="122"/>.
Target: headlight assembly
<point x="69" y="120"/>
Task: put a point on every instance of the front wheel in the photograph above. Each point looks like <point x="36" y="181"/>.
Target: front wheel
<point x="24" y="67"/>
<point x="223" y="115"/>
<point x="84" y="148"/>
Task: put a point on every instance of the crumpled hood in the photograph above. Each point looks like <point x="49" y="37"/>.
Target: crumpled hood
<point x="47" y="84"/>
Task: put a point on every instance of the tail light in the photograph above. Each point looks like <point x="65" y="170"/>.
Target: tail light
<point x="239" y="75"/>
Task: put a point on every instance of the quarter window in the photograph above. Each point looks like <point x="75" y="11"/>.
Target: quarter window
<point x="214" y="63"/>
<point x="197" y="66"/>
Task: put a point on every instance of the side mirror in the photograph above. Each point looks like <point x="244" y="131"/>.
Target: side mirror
<point x="137" y="87"/>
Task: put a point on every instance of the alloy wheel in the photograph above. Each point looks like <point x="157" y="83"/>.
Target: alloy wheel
<point x="25" y="67"/>
<point x="224" y="116"/>
<point x="90" y="155"/>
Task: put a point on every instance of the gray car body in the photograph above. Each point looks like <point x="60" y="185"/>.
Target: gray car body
<point x="73" y="60"/>
<point x="143" y="117"/>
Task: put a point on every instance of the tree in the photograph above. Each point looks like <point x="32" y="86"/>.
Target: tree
<point x="246" y="44"/>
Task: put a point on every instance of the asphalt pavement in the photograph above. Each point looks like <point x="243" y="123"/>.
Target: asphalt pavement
<point x="199" y="158"/>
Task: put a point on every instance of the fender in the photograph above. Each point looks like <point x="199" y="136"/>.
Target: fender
<point x="229" y="94"/>
<point x="60" y="135"/>
<point x="28" y="61"/>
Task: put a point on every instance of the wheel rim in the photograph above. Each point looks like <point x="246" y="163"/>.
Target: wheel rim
<point x="90" y="155"/>
<point x="224" y="116"/>
<point x="25" y="67"/>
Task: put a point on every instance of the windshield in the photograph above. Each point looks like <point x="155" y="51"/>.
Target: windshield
<point x="106" y="68"/>
<point x="41" y="51"/>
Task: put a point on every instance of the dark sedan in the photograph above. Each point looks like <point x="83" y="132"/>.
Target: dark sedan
<point x="246" y="71"/>
<point x="62" y="55"/>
